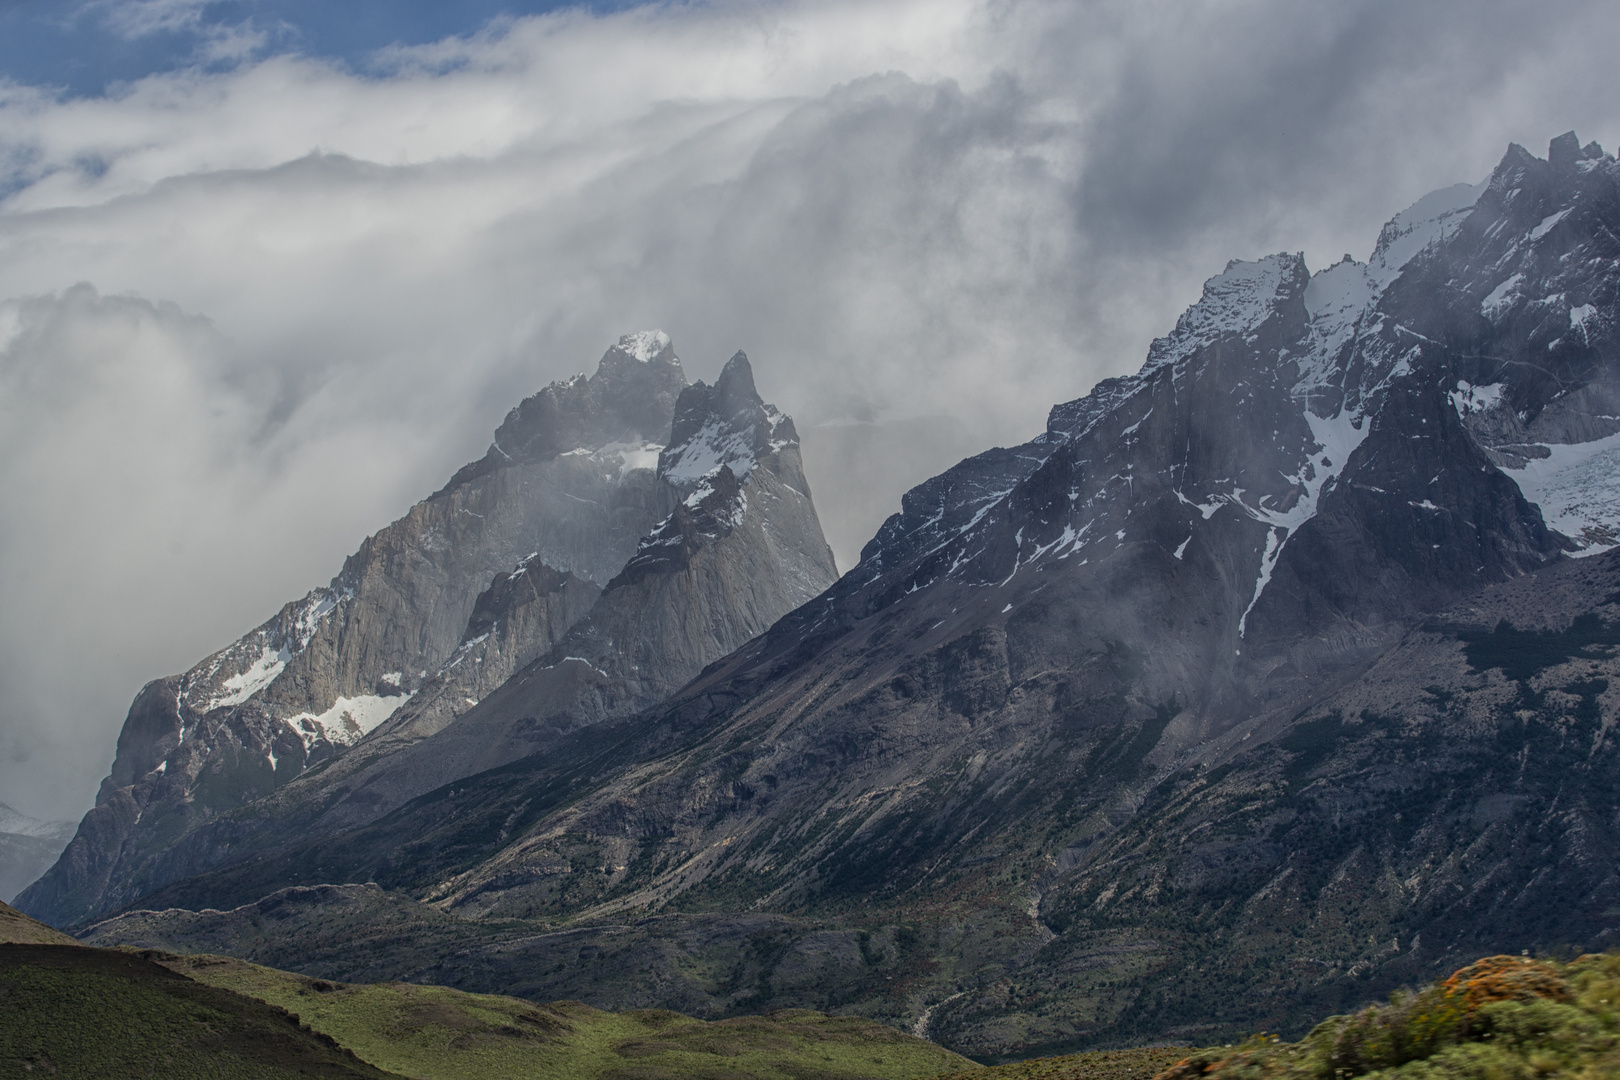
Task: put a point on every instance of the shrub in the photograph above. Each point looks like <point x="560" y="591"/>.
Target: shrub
<point x="1500" y="1017"/>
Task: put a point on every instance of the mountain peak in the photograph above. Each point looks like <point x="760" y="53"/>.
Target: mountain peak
<point x="1239" y="300"/>
<point x="736" y="381"/>
<point x="724" y="424"/>
<point x="631" y="399"/>
<point x="1564" y="151"/>
<point x="645" y="346"/>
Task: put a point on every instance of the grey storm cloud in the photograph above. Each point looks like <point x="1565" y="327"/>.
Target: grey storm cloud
<point x="248" y="316"/>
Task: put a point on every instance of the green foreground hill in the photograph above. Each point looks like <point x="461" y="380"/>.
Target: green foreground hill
<point x="18" y="929"/>
<point x="445" y="1034"/>
<point x="67" y="1010"/>
<point x="73" y="1010"/>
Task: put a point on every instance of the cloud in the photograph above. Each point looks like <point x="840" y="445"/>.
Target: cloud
<point x="136" y="19"/>
<point x="313" y="292"/>
<point x="216" y="41"/>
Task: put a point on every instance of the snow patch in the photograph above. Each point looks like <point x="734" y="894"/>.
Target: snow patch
<point x="348" y="720"/>
<point x="1207" y="509"/>
<point x="587" y="663"/>
<point x="1336" y="439"/>
<point x="1468" y="398"/>
<point x="1577" y="487"/>
<point x="260" y="674"/>
<point x="1501" y="297"/>
<point x="1268" y="563"/>
<point x="259" y="657"/>
<point x="1336" y="299"/>
<point x="1547" y="224"/>
<point x="644" y="345"/>
<point x="711" y="447"/>
<point x="628" y="457"/>
<point x="1431" y="220"/>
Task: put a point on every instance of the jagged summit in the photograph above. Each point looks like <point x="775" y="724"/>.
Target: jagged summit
<point x="1566" y="151"/>
<point x="571" y="548"/>
<point x="645" y="346"/>
<point x="720" y="435"/>
<point x="1243" y="300"/>
<point x="625" y="407"/>
<point x="723" y="425"/>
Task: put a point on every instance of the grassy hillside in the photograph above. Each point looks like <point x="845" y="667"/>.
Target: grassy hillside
<point x="1501" y="1018"/>
<point x="89" y="1012"/>
<point x="444" y="1034"/>
<point x="67" y="1010"/>
<point x="18" y="929"/>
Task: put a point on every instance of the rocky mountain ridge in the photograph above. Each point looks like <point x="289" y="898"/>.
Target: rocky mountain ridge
<point x="572" y="473"/>
<point x="1259" y="682"/>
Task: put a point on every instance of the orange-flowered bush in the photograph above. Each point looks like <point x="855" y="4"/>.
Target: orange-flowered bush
<point x="1507" y="978"/>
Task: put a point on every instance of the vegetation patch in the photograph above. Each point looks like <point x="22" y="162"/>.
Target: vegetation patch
<point x="68" y="1010"/>
<point x="438" y="1033"/>
<point x="1501" y="1018"/>
<point x="1520" y="654"/>
<point x="18" y="929"/>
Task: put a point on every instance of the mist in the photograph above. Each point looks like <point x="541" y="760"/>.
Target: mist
<point x="251" y="311"/>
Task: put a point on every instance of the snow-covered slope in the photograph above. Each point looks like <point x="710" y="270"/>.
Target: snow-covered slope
<point x="1543" y="277"/>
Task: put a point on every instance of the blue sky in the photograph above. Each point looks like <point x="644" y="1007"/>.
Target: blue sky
<point x="85" y="47"/>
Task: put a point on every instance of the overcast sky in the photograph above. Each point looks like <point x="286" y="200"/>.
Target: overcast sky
<point x="269" y="271"/>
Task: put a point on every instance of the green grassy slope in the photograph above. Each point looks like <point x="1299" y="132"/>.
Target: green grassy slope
<point x="443" y="1034"/>
<point x="18" y="929"/>
<point x="67" y="1010"/>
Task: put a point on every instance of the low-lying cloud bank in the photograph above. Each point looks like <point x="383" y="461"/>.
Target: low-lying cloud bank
<point x="248" y="315"/>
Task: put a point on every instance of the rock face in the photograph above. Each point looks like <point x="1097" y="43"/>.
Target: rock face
<point x="437" y="611"/>
<point x="1260" y="682"/>
<point x="28" y="847"/>
<point x="741" y="547"/>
